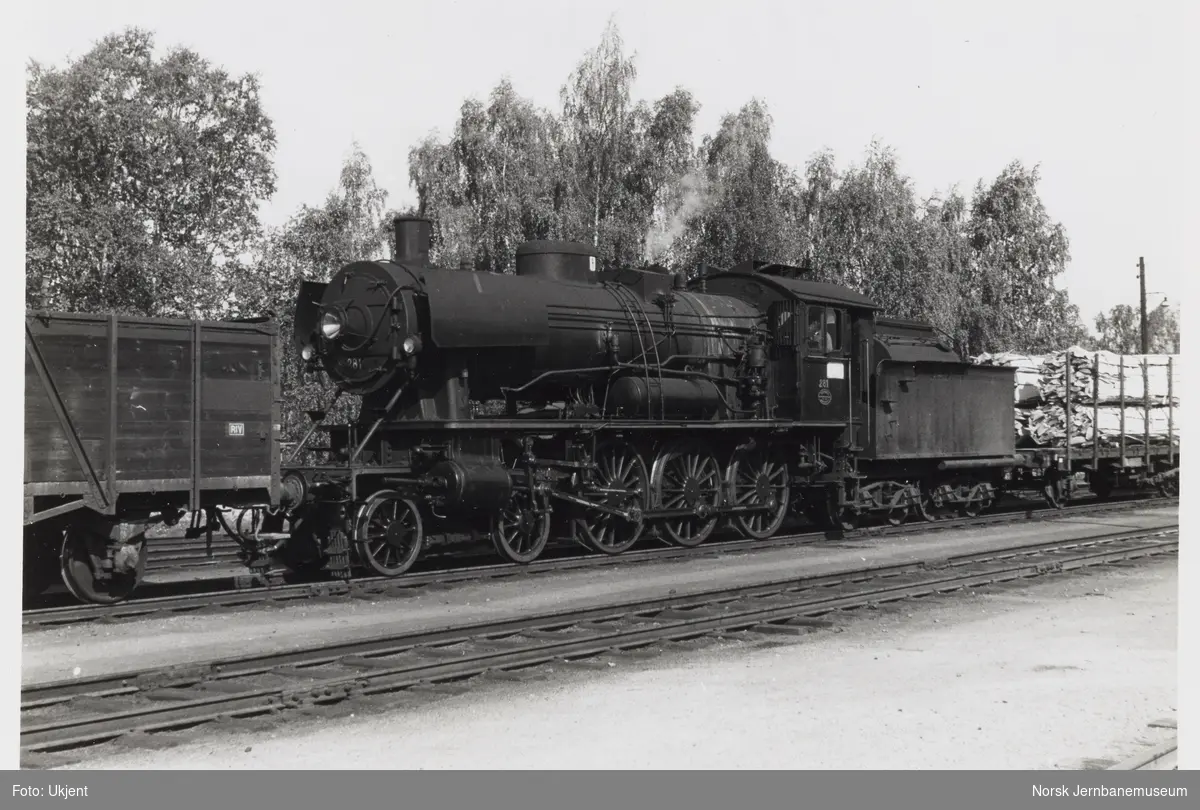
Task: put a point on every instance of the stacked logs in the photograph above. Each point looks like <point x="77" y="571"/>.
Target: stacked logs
<point x="1110" y="396"/>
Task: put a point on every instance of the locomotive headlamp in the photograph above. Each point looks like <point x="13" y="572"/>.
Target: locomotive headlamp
<point x="331" y="325"/>
<point x="411" y="345"/>
<point x="307" y="353"/>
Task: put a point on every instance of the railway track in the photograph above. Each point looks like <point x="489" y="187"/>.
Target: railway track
<point x="69" y="715"/>
<point x="250" y="591"/>
<point x="1163" y="757"/>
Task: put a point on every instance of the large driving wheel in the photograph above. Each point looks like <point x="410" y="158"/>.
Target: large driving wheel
<point x="624" y="484"/>
<point x="758" y="478"/>
<point x="521" y="530"/>
<point x="389" y="534"/>
<point x="687" y="476"/>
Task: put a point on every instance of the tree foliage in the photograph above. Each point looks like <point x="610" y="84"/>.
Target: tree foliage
<point x="1120" y="330"/>
<point x="143" y="176"/>
<point x="1019" y="253"/>
<point x="353" y="224"/>
<point x="624" y="176"/>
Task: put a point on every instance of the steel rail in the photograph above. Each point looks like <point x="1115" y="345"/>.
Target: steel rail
<point x="383" y="586"/>
<point x="89" y="711"/>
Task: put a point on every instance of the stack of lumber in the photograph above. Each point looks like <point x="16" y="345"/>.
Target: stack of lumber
<point x="1142" y="372"/>
<point x="1046" y="425"/>
<point x="1041" y="396"/>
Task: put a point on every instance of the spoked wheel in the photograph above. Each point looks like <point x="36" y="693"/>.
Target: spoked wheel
<point x="835" y="517"/>
<point x="929" y="507"/>
<point x="687" y="476"/>
<point x="757" y="478"/>
<point x="520" y="531"/>
<point x="82" y="567"/>
<point x="389" y="534"/>
<point x="1170" y="487"/>
<point x="976" y="507"/>
<point x="624" y="483"/>
<point x="899" y="509"/>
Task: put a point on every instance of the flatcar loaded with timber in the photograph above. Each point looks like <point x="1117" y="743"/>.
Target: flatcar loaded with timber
<point x="563" y="401"/>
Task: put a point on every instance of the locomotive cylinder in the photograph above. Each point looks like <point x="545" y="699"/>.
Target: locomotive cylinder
<point x="672" y="398"/>
<point x="474" y="483"/>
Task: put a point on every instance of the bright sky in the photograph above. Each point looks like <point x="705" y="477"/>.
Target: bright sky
<point x="1093" y="93"/>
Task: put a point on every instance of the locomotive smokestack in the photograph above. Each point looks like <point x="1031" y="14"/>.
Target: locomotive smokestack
<point x="412" y="239"/>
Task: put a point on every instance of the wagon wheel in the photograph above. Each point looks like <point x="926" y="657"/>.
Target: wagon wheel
<point x="978" y="505"/>
<point x="389" y="534"/>
<point x="687" y="476"/>
<point x="83" y="553"/>
<point x="832" y="516"/>
<point x="1053" y="490"/>
<point x="898" y="513"/>
<point x="521" y="529"/>
<point x="1169" y="487"/>
<point x="757" y="478"/>
<point x="620" y="471"/>
<point x="929" y="505"/>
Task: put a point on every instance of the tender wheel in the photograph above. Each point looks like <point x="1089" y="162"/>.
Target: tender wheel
<point x="899" y="509"/>
<point x="929" y="505"/>
<point x="389" y="533"/>
<point x="83" y="572"/>
<point x="756" y="478"/>
<point x="835" y="517"/>
<point x="520" y="532"/>
<point x="687" y="476"/>
<point x="625" y="484"/>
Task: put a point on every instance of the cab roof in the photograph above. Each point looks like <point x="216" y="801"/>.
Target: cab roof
<point x="783" y="278"/>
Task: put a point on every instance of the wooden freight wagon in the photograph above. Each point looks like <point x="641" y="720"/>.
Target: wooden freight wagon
<point x="134" y="421"/>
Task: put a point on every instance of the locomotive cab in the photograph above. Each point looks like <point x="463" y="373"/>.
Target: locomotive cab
<point x="810" y="325"/>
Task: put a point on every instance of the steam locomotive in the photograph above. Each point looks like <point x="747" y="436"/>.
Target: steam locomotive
<point x="563" y="401"/>
<point x="599" y="406"/>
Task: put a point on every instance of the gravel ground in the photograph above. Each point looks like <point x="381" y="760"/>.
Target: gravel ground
<point x="1064" y="672"/>
<point x="97" y="648"/>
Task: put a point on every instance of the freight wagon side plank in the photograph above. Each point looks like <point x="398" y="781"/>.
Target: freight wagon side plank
<point x="137" y="395"/>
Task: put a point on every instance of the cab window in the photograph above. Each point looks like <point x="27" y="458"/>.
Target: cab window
<point x="823" y="330"/>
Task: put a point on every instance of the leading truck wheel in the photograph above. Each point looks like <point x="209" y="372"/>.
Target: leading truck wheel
<point x="389" y="534"/>
<point x="86" y="571"/>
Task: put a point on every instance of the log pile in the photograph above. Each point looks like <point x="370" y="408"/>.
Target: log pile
<point x="1097" y="389"/>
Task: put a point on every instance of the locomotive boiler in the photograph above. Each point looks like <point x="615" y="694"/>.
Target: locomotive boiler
<point x="557" y="331"/>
